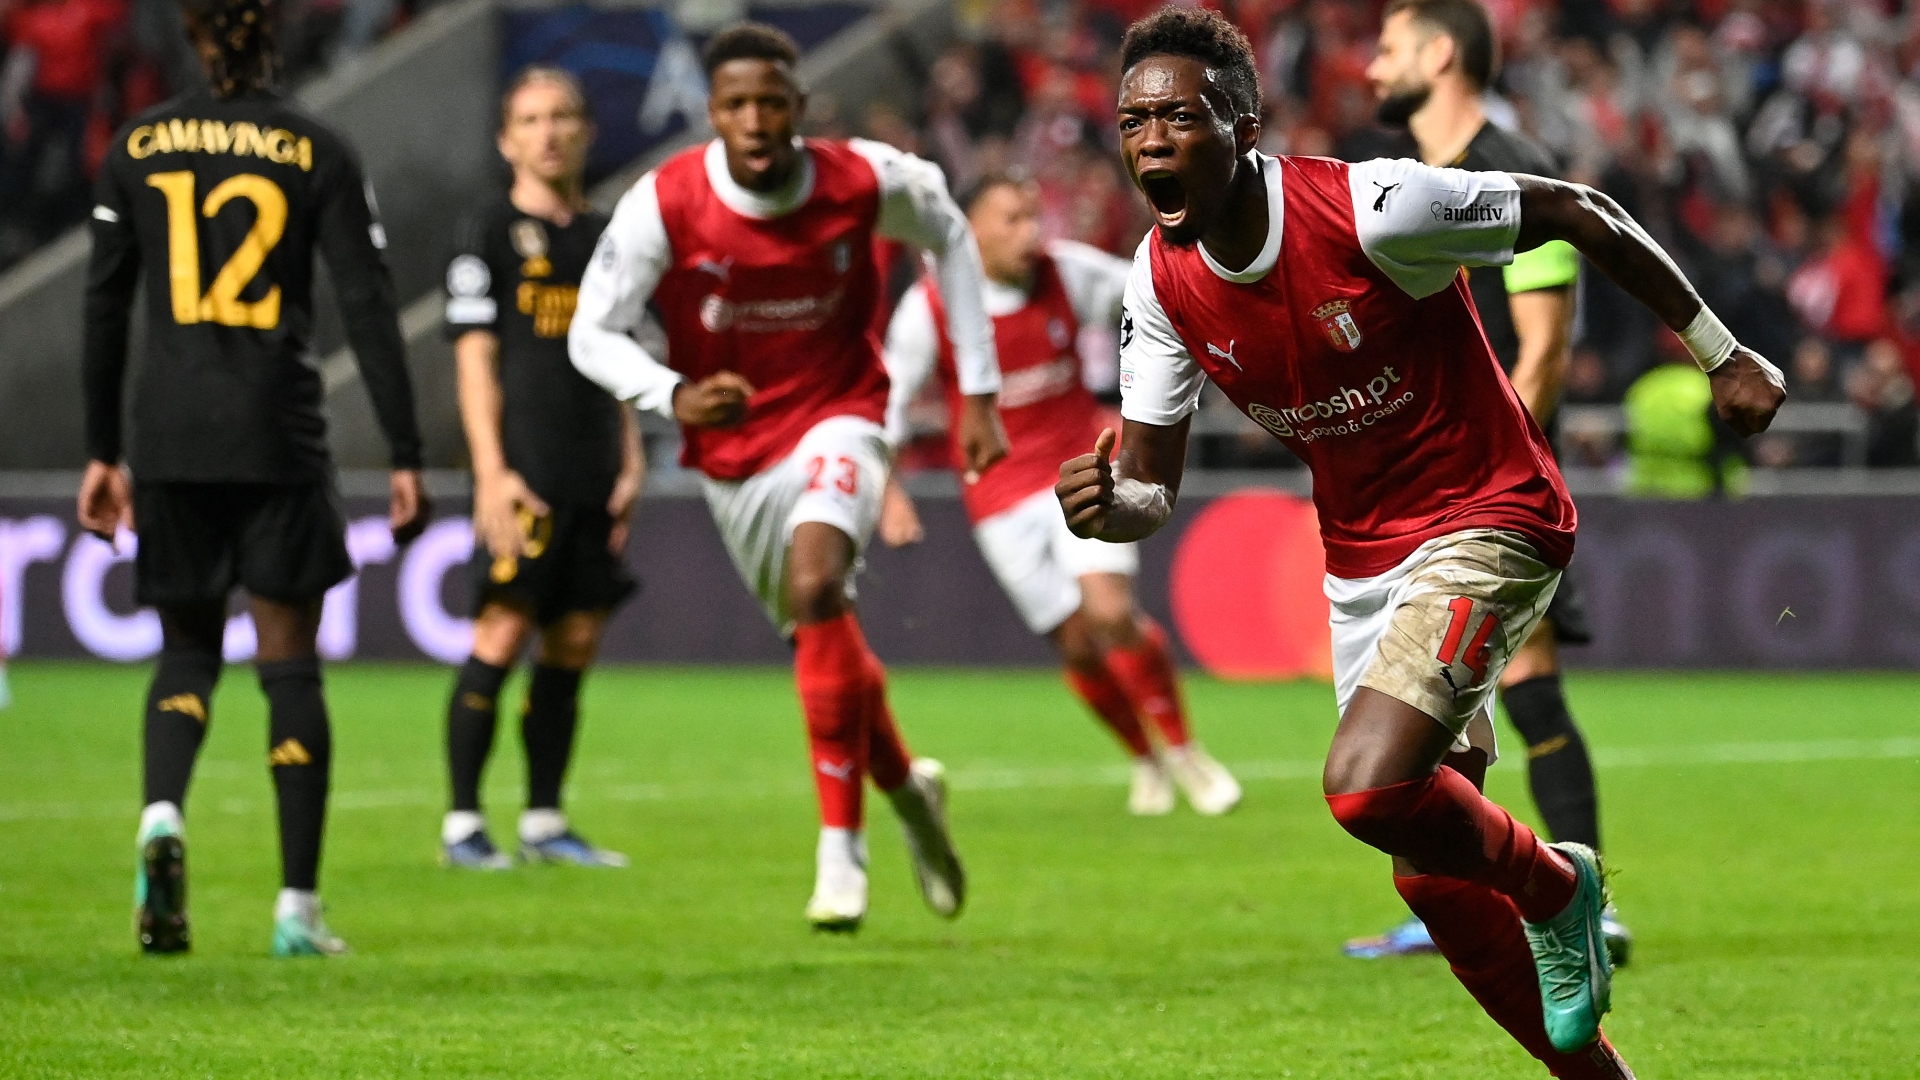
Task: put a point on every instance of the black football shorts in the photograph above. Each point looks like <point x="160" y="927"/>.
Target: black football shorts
<point x="285" y="542"/>
<point x="1568" y="611"/>
<point x="567" y="566"/>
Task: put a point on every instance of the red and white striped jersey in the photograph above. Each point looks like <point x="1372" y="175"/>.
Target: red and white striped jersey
<point x="1353" y="339"/>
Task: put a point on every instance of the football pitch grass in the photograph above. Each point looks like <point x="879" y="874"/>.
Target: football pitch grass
<point x="1764" y="831"/>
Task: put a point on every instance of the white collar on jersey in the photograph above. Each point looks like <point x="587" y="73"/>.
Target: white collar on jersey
<point x="755" y="204"/>
<point x="1005" y="299"/>
<point x="1270" y="254"/>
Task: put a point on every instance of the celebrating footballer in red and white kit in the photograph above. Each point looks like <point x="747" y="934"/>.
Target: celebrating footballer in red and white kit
<point x="1078" y="592"/>
<point x="1327" y="301"/>
<point x="756" y="250"/>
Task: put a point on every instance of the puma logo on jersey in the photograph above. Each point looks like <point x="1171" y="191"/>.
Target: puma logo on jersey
<point x="1470" y="212"/>
<point x="1214" y="350"/>
<point x="1380" y="204"/>
<point x="838" y="772"/>
<point x="722" y="269"/>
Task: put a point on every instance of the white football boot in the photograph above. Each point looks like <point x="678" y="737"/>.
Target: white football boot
<point x="1210" y="789"/>
<point x="1152" y="791"/>
<point x="839" y="899"/>
<point x="921" y="803"/>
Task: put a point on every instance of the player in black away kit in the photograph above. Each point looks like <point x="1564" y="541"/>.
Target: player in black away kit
<point x="556" y="471"/>
<point x="222" y="196"/>
<point x="1436" y="59"/>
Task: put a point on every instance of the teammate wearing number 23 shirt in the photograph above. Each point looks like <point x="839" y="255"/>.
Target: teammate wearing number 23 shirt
<point x="1327" y="301"/>
<point x="220" y="199"/>
<point x="756" y="250"/>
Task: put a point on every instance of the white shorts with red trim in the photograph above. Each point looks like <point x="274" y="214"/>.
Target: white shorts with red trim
<point x="835" y="476"/>
<point x="1437" y="630"/>
<point x="1039" y="562"/>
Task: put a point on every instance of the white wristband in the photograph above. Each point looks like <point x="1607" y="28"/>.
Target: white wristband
<point x="1708" y="339"/>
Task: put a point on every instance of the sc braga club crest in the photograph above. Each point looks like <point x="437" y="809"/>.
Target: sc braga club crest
<point x="1336" y="318"/>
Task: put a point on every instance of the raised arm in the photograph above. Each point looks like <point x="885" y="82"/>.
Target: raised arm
<point x="1747" y="389"/>
<point x="631" y="257"/>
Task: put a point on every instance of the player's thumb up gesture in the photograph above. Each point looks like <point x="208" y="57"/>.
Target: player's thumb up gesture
<point x="1085" y="489"/>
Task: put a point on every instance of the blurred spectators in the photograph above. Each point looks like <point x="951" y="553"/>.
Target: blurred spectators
<point x="76" y="69"/>
<point x="1773" y="146"/>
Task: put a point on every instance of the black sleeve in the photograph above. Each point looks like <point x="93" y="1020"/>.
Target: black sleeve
<point x="473" y="301"/>
<point x="350" y="242"/>
<point x="113" y="269"/>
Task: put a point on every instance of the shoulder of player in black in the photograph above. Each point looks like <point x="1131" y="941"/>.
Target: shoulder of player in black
<point x="1495" y="148"/>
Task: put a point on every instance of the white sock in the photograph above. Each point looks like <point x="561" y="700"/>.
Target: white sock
<point x="460" y="824"/>
<point x="302" y="902"/>
<point x="842" y="847"/>
<point x="541" y="825"/>
<point x="161" y="815"/>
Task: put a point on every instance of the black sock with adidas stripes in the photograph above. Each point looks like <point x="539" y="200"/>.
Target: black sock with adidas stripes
<point x="1558" y="768"/>
<point x="300" y="752"/>
<point x="178" y="707"/>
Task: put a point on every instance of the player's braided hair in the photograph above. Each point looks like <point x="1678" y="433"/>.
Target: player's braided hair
<point x="236" y="39"/>
<point x="1204" y="35"/>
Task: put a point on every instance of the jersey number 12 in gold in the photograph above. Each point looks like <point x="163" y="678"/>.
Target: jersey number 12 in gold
<point x="222" y="303"/>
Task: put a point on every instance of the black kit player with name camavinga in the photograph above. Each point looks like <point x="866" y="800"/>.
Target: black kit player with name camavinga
<point x="220" y="199"/>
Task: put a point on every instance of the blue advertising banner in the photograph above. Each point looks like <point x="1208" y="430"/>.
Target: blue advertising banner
<point x="641" y="72"/>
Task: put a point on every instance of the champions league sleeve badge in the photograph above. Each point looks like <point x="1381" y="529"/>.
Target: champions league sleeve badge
<point x="1336" y="318"/>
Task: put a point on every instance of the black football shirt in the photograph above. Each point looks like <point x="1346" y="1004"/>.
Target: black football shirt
<point x="517" y="277"/>
<point x="222" y="204"/>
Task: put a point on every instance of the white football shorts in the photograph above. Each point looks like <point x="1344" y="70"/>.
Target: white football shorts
<point x="836" y="476"/>
<point x="1437" y="630"/>
<point x="1039" y="562"/>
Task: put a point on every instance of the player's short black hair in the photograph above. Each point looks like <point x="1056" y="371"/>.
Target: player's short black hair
<point x="242" y="35"/>
<point x="750" y="41"/>
<point x="1203" y="35"/>
<point x="534" y="73"/>
<point x="1014" y="177"/>
<point x="1476" y="51"/>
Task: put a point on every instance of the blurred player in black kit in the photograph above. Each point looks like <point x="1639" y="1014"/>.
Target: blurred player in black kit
<point x="1436" y="59"/>
<point x="556" y="470"/>
<point x="223" y="196"/>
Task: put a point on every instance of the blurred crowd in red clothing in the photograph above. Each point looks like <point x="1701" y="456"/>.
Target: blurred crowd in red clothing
<point x="75" y="69"/>
<point x="1773" y="146"/>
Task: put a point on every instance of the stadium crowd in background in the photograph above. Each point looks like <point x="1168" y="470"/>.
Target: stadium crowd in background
<point x="1772" y="145"/>
<point x="74" y="70"/>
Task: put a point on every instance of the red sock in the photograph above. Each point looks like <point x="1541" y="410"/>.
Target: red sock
<point x="887" y="756"/>
<point x="1103" y="695"/>
<point x="836" y="690"/>
<point x="1147" y="674"/>
<point x="1479" y="933"/>
<point x="1443" y="825"/>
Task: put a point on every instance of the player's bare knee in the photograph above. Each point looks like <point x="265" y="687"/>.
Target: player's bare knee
<point x="816" y="593"/>
<point x="571" y="642"/>
<point x="1079" y="647"/>
<point x="285" y="630"/>
<point x="500" y="633"/>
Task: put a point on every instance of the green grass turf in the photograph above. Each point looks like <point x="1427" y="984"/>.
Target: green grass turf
<point x="1764" y="830"/>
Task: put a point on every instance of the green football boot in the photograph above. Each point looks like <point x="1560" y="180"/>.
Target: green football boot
<point x="304" y="933"/>
<point x="160" y="890"/>
<point x="1570" y="956"/>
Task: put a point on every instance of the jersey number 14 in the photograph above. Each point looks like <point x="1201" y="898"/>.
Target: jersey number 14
<point x="222" y="303"/>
